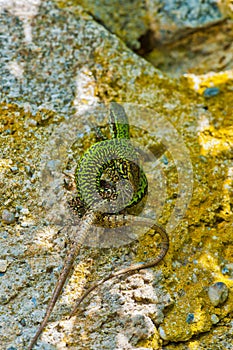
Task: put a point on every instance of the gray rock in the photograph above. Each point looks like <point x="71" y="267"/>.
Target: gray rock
<point x="172" y="19"/>
<point x="218" y="293"/>
<point x="128" y="19"/>
<point x="138" y="327"/>
<point x="8" y="217"/>
<point x="166" y="20"/>
<point x="69" y="61"/>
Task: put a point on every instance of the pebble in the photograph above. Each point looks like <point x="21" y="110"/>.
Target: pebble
<point x="3" y="265"/>
<point x="218" y="293"/>
<point x="214" y="319"/>
<point x="190" y="318"/>
<point x="212" y="91"/>
<point x="26" y="223"/>
<point x="228" y="269"/>
<point x="24" y="211"/>
<point x="31" y="122"/>
<point x="14" y="169"/>
<point x="203" y="159"/>
<point x="164" y="160"/>
<point x="8" y="217"/>
<point x="23" y="322"/>
<point x="162" y="333"/>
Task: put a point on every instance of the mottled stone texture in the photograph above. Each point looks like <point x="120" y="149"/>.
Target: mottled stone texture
<point x="156" y="20"/>
<point x="59" y="69"/>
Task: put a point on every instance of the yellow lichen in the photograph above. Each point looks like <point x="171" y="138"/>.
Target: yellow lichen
<point x="154" y="342"/>
<point x="215" y="141"/>
<point x="211" y="79"/>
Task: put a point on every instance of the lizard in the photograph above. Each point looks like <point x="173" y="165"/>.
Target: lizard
<point x="99" y="200"/>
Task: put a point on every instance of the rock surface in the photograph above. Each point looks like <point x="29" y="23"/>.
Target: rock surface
<point x="58" y="66"/>
<point x="140" y="22"/>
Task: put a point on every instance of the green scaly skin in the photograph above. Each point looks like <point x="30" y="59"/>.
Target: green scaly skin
<point x="116" y="157"/>
<point x="98" y="171"/>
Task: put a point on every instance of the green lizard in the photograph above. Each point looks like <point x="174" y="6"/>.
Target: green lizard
<point x="100" y="201"/>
